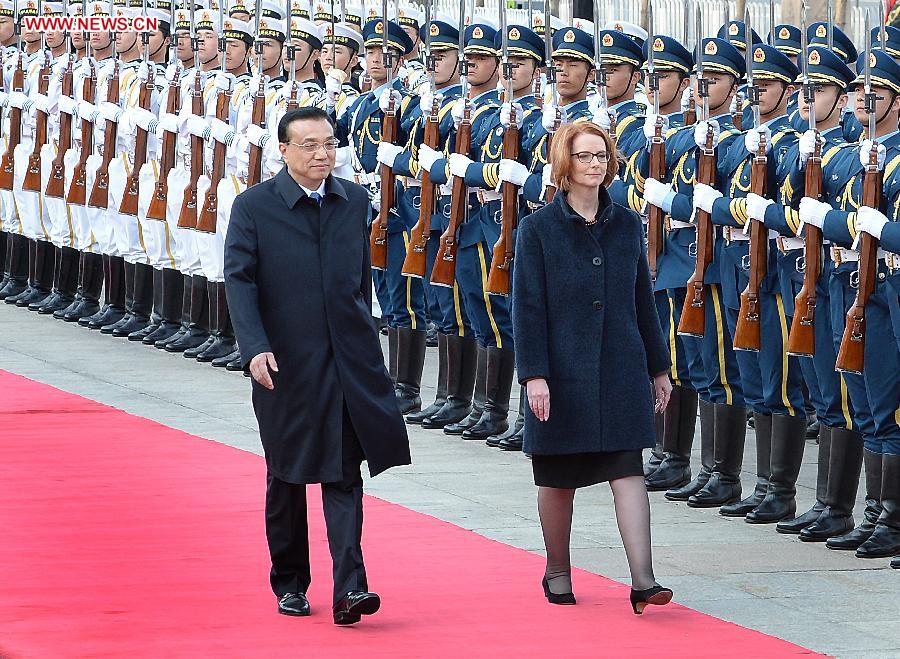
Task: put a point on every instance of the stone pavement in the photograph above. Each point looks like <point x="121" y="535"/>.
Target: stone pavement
<point x="827" y="601"/>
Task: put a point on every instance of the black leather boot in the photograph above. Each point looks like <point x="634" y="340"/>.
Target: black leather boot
<point x="185" y="325"/>
<point x="788" y="442"/>
<point x="843" y="481"/>
<point x="513" y="439"/>
<point x="223" y="362"/>
<point x="440" y="396"/>
<point x="4" y="275"/>
<point x="392" y="335"/>
<point x="90" y="288"/>
<point x="129" y="298"/>
<point x="65" y="288"/>
<point x="707" y="451"/>
<point x="44" y="262"/>
<point x="55" y="274"/>
<point x="656" y="453"/>
<point x="171" y="297"/>
<point x="461" y="367"/>
<point x="224" y="343"/>
<point x="724" y="486"/>
<point x="885" y="539"/>
<point x="198" y="329"/>
<point x="114" y="281"/>
<point x="855" y="538"/>
<point x="141" y="302"/>
<point x="410" y="361"/>
<point x="679" y="421"/>
<point x="236" y="365"/>
<point x="15" y="272"/>
<point x="762" y="425"/>
<point x="30" y="261"/>
<point x="501" y="366"/>
<point x="478" y="398"/>
<point x="156" y="309"/>
<point x="797" y="524"/>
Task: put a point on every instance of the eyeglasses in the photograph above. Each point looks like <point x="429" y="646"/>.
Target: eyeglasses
<point x="586" y="157"/>
<point x="313" y="147"/>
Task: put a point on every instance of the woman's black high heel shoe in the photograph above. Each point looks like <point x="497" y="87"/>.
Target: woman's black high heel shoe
<point x="554" y="598"/>
<point x="656" y="595"/>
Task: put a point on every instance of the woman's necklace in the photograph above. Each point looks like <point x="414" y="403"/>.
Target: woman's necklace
<point x="590" y="223"/>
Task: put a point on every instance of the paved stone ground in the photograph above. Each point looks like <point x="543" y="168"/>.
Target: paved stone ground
<point x="827" y="601"/>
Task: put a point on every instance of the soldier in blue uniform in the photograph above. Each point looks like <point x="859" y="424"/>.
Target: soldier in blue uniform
<point x="817" y="35"/>
<point x="875" y="393"/>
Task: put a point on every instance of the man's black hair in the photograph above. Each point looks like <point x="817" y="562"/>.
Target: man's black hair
<point x="300" y="114"/>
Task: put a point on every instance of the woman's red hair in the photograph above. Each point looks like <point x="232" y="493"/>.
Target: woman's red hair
<point x="561" y="152"/>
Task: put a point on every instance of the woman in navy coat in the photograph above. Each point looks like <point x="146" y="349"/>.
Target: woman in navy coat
<point x="590" y="352"/>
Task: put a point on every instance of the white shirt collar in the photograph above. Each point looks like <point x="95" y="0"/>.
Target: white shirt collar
<point x="309" y="192"/>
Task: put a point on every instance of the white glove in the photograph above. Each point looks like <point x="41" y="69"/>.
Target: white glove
<point x="705" y="196"/>
<point x="458" y="164"/>
<point x="169" y="122"/>
<point x="18" y="100"/>
<point x="142" y="118"/>
<point x="143" y="72"/>
<point x="459" y="108"/>
<point x="512" y="171"/>
<point x="66" y="104"/>
<point x="257" y="136"/>
<point x="865" y="149"/>
<point x="427" y="99"/>
<point x="807" y="145"/>
<point x="41" y="102"/>
<point x="686" y="97"/>
<point x="752" y="137"/>
<point x="428" y="156"/>
<point x="387" y="153"/>
<point x="333" y="89"/>
<point x="219" y="130"/>
<point x="813" y="212"/>
<point x="224" y="81"/>
<point x="253" y="85"/>
<point x="343" y="155"/>
<point x="552" y="117"/>
<point x="756" y="206"/>
<point x="506" y="111"/>
<point x="547" y="176"/>
<point x="197" y="126"/>
<point x="656" y="192"/>
<point x="871" y="221"/>
<point x="701" y="129"/>
<point x="88" y="111"/>
<point x="109" y="111"/>
<point x="87" y="65"/>
<point x="375" y="200"/>
<point x="650" y="125"/>
<point x="384" y="100"/>
<point x="4" y="99"/>
<point x="172" y="70"/>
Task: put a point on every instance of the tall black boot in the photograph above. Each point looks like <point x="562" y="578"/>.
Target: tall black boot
<point x="788" y="442"/>
<point x="90" y="285"/>
<point x="42" y="259"/>
<point x="501" y="366"/>
<point x="679" y="422"/>
<point x="478" y="398"/>
<point x="141" y="302"/>
<point x="198" y="331"/>
<point x="855" y="538"/>
<point x="212" y="295"/>
<point x="16" y="270"/>
<point x="392" y="334"/>
<point x="657" y="453"/>
<point x="185" y="314"/>
<point x="885" y="539"/>
<point x="724" y="486"/>
<point x="65" y="286"/>
<point x="155" y="308"/>
<point x="762" y="425"/>
<point x="224" y="343"/>
<point x="440" y="396"/>
<point x="115" y="283"/>
<point x="514" y="438"/>
<point x="461" y="367"/>
<point x="55" y="273"/>
<point x="798" y="524"/>
<point x="171" y="297"/>
<point x="130" y="273"/>
<point x="843" y="481"/>
<point x="103" y="307"/>
<point x="410" y="360"/>
<point x="707" y="454"/>
<point x="4" y="273"/>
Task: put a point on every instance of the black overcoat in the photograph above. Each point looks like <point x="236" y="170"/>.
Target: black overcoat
<point x="299" y="285"/>
<point x="585" y="320"/>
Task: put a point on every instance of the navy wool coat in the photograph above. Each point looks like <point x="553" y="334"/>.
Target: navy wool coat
<point x="584" y="319"/>
<point x="299" y="285"/>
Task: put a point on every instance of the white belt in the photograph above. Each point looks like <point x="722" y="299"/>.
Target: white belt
<point x="843" y="255"/>
<point x="672" y="225"/>
<point x="446" y="189"/>
<point x="786" y="244"/>
<point x="732" y="234"/>
<point x="411" y="182"/>
<point x="485" y="196"/>
<point x="183" y="159"/>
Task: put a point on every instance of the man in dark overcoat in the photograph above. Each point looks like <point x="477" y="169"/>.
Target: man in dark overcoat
<point x="299" y="288"/>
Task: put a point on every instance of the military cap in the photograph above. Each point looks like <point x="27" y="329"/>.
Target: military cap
<point x="321" y="12"/>
<point x="29" y="8"/>
<point x="353" y="15"/>
<point x="373" y="35"/>
<point x="787" y="39"/>
<point x="723" y="57"/>
<point x="235" y="28"/>
<point x="239" y="7"/>
<point x="305" y="30"/>
<point x="668" y="55"/>
<point x="619" y="48"/>
<point x="769" y="63"/>
<point x="409" y="16"/>
<point x="301" y="8"/>
<point x="479" y="40"/>
<point x="343" y="35"/>
<point x="883" y="69"/>
<point x="271" y="23"/>
<point x="522" y="42"/>
<point x="538" y="22"/>
<point x="892" y="40"/>
<point x="736" y="34"/>
<point x="51" y="8"/>
<point x="6" y="8"/>
<point x="572" y="42"/>
<point x="817" y="33"/>
<point x="825" y="67"/>
<point x="444" y="35"/>
<point x="634" y="32"/>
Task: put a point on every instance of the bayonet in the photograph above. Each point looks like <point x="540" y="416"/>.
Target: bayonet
<point x="771" y="22"/>
<point x="752" y="89"/>
<point x="221" y="41"/>
<point x="830" y="25"/>
<point x="599" y="71"/>
<point x="429" y="58"/>
<point x="333" y="42"/>
<point x="652" y="76"/>
<point x="882" y="32"/>
<point x="195" y="46"/>
<point x="727" y="11"/>
<point x="385" y="49"/>
<point x="463" y="65"/>
<point x="702" y="82"/>
<point x="867" y="77"/>
<point x="809" y="89"/>
<point x="504" y="49"/>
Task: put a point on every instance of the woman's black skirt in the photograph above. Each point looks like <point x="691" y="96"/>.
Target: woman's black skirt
<point x="583" y="469"/>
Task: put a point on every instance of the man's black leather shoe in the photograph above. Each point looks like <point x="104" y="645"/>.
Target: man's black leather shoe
<point x="353" y="605"/>
<point x="293" y="604"/>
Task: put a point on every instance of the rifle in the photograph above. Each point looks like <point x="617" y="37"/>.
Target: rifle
<point x="550" y="191"/>
<point x="100" y="192"/>
<point x="210" y="212"/>
<point x="78" y="188"/>
<point x="129" y="203"/>
<point x="444" y="271"/>
<point x="56" y="184"/>
<point x="414" y="263"/>
<point x="378" y="237"/>
<point x="747" y="330"/>
<point x="15" y="118"/>
<point x="187" y="218"/>
<point x="291" y="55"/>
<point x="693" y="314"/>
<point x="498" y="282"/>
<point x="802" y="337"/>
<point x="655" y="214"/>
<point x="851" y="355"/>
<point x="32" y="181"/>
<point x="157" y="208"/>
<point x="258" y="113"/>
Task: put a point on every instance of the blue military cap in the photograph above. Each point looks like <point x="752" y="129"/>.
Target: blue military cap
<point x="769" y="63"/>
<point x="479" y="40"/>
<point x="884" y="70"/>
<point x="825" y="67"/>
<point x="522" y="42"/>
<point x="668" y="55"/>
<point x="574" y="43"/>
<point x="787" y="39"/>
<point x="817" y="33"/>
<point x="736" y="34"/>
<point x="373" y="35"/>
<point x="891" y="42"/>
<point x="723" y="57"/>
<point x="619" y="48"/>
<point x="443" y="35"/>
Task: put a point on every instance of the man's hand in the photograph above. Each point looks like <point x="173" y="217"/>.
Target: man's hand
<point x="260" y="366"/>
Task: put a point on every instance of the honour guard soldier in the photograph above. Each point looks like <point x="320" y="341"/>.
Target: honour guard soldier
<point x="823" y="34"/>
<point x="621" y="58"/>
<point x="13" y="246"/>
<point x="340" y="56"/>
<point x="413" y="74"/>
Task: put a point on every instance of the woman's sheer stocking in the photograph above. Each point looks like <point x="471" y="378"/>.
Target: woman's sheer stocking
<point x="555" y="510"/>
<point x="633" y="517"/>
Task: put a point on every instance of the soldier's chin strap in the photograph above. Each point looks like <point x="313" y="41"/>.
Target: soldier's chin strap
<point x="162" y="44"/>
<point x="784" y="87"/>
<point x="713" y="112"/>
<point x="677" y="94"/>
<point x="616" y="98"/>
<point x="886" y="112"/>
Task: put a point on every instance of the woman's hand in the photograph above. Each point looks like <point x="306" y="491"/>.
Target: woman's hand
<point x="663" y="387"/>
<point x="539" y="398"/>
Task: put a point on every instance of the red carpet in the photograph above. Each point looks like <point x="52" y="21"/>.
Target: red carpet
<point x="125" y="538"/>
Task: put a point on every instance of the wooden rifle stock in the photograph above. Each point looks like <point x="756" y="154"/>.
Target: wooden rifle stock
<point x="210" y="211"/>
<point x="693" y="314"/>
<point x="32" y="181"/>
<point x="655" y="214"/>
<point x="129" y="204"/>
<point x="550" y="191"/>
<point x="15" y="131"/>
<point x="378" y="237"/>
<point x="498" y="282"/>
<point x="737" y="117"/>
<point x="254" y="169"/>
<point x="100" y="192"/>
<point x="444" y="271"/>
<point x="78" y="188"/>
<point x="747" y="330"/>
<point x="414" y="263"/>
<point x="187" y="218"/>
<point x="802" y="337"/>
<point x="851" y="355"/>
<point x="157" y="209"/>
<point x="56" y="185"/>
<point x="690" y="115"/>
